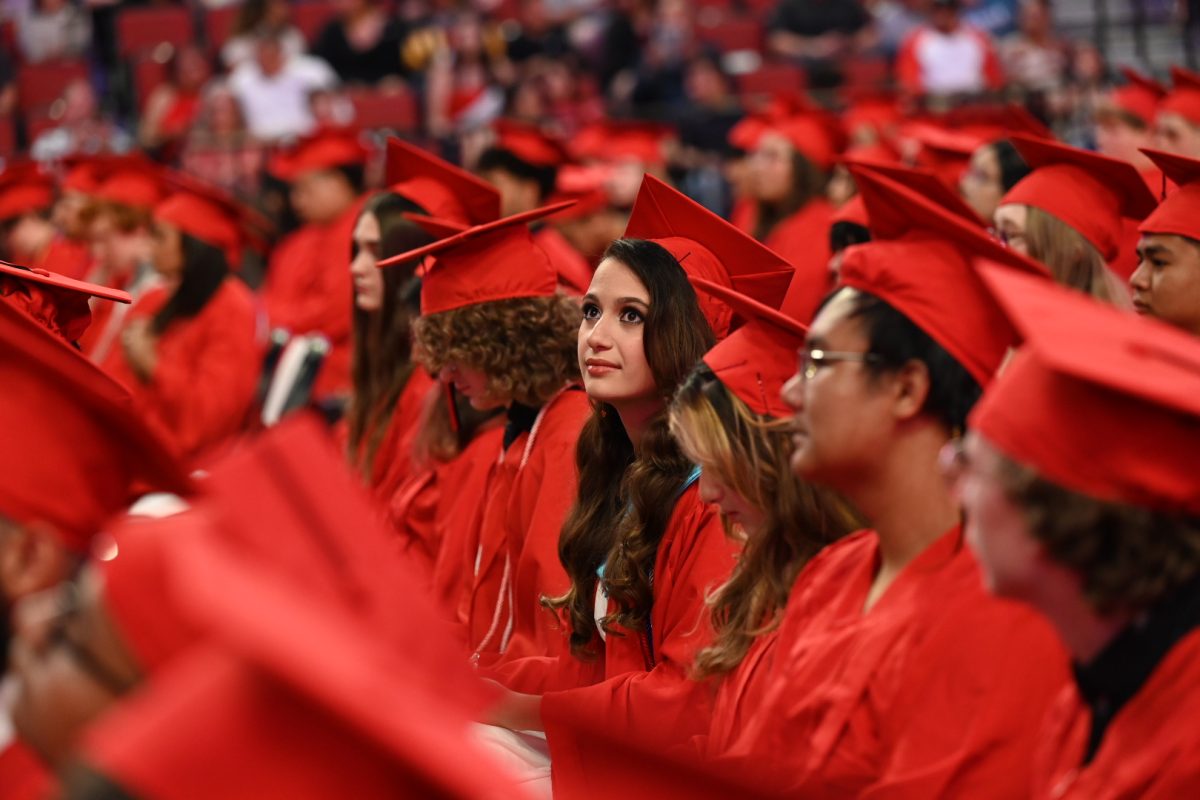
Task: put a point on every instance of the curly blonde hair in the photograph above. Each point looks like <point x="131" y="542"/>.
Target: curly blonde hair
<point x="526" y="346"/>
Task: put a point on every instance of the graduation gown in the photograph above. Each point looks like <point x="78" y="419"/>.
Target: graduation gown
<point x="938" y="690"/>
<point x="1150" y="749"/>
<point x="203" y="388"/>
<point x="513" y="560"/>
<point x="66" y="258"/>
<point x="22" y="775"/>
<point x="308" y="289"/>
<point x="803" y="238"/>
<point x="574" y="271"/>
<point x="393" y="458"/>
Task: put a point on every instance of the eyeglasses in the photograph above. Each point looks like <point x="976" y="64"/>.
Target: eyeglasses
<point x="812" y="360"/>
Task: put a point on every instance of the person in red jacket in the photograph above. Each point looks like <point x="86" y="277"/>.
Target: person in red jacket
<point x="307" y="280"/>
<point x="895" y="674"/>
<point x="190" y="350"/>
<point x="1102" y="538"/>
<point x="494" y="326"/>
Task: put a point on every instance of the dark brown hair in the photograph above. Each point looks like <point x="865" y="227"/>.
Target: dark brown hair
<point x="625" y="498"/>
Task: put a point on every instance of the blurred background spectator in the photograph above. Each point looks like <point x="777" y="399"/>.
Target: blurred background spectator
<point x="275" y="87"/>
<point x="362" y="43"/>
<point x="53" y="29"/>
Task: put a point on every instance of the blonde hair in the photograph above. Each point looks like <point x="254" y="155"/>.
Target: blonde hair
<point x="750" y="454"/>
<point x="1072" y="259"/>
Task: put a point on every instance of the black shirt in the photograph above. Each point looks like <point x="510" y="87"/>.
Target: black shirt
<point x="1111" y="679"/>
<point x="520" y="420"/>
<point x="818" y="17"/>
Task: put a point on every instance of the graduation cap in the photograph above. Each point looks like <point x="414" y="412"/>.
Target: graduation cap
<point x="138" y="185"/>
<point x="73" y="446"/>
<point x="58" y="303"/>
<point x="1086" y="367"/>
<point x="708" y="247"/>
<point x="919" y="262"/>
<point x="1139" y="97"/>
<point x="530" y="143"/>
<point x="324" y="150"/>
<point x="1179" y="213"/>
<point x="440" y="188"/>
<point x="812" y="135"/>
<point x="482" y="264"/>
<point x="1184" y="97"/>
<point x="756" y="360"/>
<point x="622" y="140"/>
<point x="24" y="189"/>
<point x="922" y="181"/>
<point x="213" y="216"/>
<point x="1089" y="192"/>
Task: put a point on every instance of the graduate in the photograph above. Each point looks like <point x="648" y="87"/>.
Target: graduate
<point x="1166" y="284"/>
<point x="1125" y="121"/>
<point x="190" y="350"/>
<point x="54" y="497"/>
<point x="895" y="674"/>
<point x="1104" y="541"/>
<point x="523" y="163"/>
<point x="30" y="234"/>
<point x="307" y="281"/>
<point x="1076" y="212"/>
<point x="1177" y="128"/>
<point x="642" y="549"/>
<point x="729" y="419"/>
<point x="494" y="325"/>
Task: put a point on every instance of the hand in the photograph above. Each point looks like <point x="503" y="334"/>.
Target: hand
<point x="514" y="710"/>
<point x="141" y="348"/>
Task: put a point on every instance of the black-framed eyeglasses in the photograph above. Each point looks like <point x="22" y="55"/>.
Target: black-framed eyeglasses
<point x="58" y="636"/>
<point x="813" y="359"/>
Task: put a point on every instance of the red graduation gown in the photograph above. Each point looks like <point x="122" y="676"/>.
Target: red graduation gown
<point x="22" y="775"/>
<point x="938" y="691"/>
<point x="393" y="458"/>
<point x="574" y="271"/>
<point x="1150" y="750"/>
<point x="514" y="559"/>
<point x="619" y="690"/>
<point x="308" y="290"/>
<point x="66" y="258"/>
<point x="803" y="238"/>
<point x="202" y="390"/>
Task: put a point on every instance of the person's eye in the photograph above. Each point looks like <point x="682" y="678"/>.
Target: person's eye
<point x="631" y="315"/>
<point x="1158" y="263"/>
<point x="591" y="311"/>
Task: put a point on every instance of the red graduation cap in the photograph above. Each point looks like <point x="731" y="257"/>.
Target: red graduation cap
<point x="708" y="247"/>
<point x="1087" y="191"/>
<point x="919" y="262"/>
<point x="211" y="215"/>
<point x="854" y="211"/>
<point x="1139" y="96"/>
<point x="326" y="149"/>
<point x="495" y="261"/>
<point x="530" y="143"/>
<point x="59" y="303"/>
<point x="1086" y="367"/>
<point x="138" y="185"/>
<point x="811" y="135"/>
<point x="440" y="188"/>
<point x="924" y="182"/>
<point x="24" y="189"/>
<point x="759" y="357"/>
<point x="943" y="151"/>
<point x="622" y="140"/>
<point x="1179" y="213"/>
<point x="73" y="447"/>
<point x="1184" y="97"/>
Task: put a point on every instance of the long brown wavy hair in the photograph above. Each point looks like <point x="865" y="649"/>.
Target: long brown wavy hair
<point x="382" y="361"/>
<point x="750" y="454"/>
<point x="625" y="497"/>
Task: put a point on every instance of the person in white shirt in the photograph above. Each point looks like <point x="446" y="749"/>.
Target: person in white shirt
<point x="274" y="89"/>
<point x="948" y="56"/>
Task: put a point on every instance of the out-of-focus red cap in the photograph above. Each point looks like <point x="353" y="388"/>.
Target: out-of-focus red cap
<point x="324" y="150"/>
<point x="853" y="211"/>
<point x="1179" y="213"/>
<point x="708" y="247"/>
<point x="1184" y="97"/>
<point x="1139" y="96"/>
<point x="925" y="183"/>
<point x="440" y="188"/>
<point x="482" y="264"/>
<point x="530" y="143"/>
<point x="58" y="303"/>
<point x="919" y="262"/>
<point x="1087" y="367"/>
<point x="1088" y="191"/>
<point x="809" y="135"/>
<point x="138" y="186"/>
<point x="74" y="448"/>
<point x="24" y="189"/>
<point x="622" y="140"/>
<point x="213" y="216"/>
<point x="757" y="359"/>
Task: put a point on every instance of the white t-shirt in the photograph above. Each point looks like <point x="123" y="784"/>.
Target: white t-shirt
<point x="277" y="106"/>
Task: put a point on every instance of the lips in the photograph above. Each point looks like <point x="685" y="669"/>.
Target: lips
<point x="598" y="366"/>
<point x="1140" y="307"/>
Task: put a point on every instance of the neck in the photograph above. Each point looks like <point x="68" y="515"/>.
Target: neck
<point x="1085" y="632"/>
<point x="636" y="417"/>
<point x="908" y="502"/>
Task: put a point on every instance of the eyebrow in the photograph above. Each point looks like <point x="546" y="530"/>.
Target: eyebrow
<point x="632" y="300"/>
<point x="813" y="342"/>
<point x="1152" y="249"/>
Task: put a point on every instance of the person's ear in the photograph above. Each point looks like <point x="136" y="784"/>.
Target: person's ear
<point x="31" y="559"/>
<point x="910" y="388"/>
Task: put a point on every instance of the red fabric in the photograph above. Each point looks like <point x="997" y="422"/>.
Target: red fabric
<point x="617" y="691"/>
<point x="1184" y="97"/>
<point x="1179" y="213"/>
<point x="22" y="776"/>
<point x="180" y="115"/>
<point x="744" y="215"/>
<point x="66" y="257"/>
<point x="439" y="187"/>
<point x="1139" y="96"/>
<point x="519" y="526"/>
<point x="393" y="459"/>
<point x="1149" y="751"/>
<point x="203" y="387"/>
<point x="574" y="271"/>
<point x="803" y="238"/>
<point x="308" y="290"/>
<point x="917" y="697"/>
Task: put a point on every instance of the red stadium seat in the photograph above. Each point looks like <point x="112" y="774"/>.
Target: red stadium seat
<point x="869" y="73"/>
<point x="734" y="34"/>
<point x="312" y="16"/>
<point x="140" y="30"/>
<point x="39" y="85"/>
<point x="218" y="25"/>
<point x="394" y="110"/>
<point x="771" y="78"/>
<point x="8" y="137"/>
